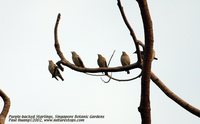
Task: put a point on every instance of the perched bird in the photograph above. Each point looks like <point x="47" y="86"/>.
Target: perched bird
<point x="153" y="55"/>
<point x="77" y="60"/>
<point x="125" y="60"/>
<point x="53" y="69"/>
<point x="102" y="62"/>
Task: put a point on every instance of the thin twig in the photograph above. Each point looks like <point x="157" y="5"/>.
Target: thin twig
<point x="95" y="74"/>
<point x="107" y="80"/>
<point x="120" y="80"/>
<point x="111" y="58"/>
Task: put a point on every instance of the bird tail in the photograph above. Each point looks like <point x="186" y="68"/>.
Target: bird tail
<point x="55" y="78"/>
<point x="60" y="76"/>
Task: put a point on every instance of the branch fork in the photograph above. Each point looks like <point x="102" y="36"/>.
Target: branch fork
<point x="143" y="63"/>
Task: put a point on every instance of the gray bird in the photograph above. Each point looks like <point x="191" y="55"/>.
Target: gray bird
<point x="125" y="60"/>
<point x="77" y="60"/>
<point x="53" y="69"/>
<point x="102" y="62"/>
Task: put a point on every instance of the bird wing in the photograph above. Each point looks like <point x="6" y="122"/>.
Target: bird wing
<point x="106" y="64"/>
<point x="80" y="62"/>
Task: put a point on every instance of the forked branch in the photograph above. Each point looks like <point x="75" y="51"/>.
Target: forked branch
<point x="65" y="62"/>
<point x="172" y="95"/>
<point x="132" y="33"/>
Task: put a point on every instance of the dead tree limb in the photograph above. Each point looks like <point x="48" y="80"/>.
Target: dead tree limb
<point x="132" y="33"/>
<point x="144" y="64"/>
<point x="144" y="108"/>
<point x="174" y="97"/>
<point x="6" y="107"/>
<point x="65" y="62"/>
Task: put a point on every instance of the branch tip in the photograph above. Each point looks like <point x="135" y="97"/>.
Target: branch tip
<point x="59" y="15"/>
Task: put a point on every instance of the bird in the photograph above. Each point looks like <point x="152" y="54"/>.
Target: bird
<point x="102" y="62"/>
<point x="53" y="69"/>
<point x="77" y="60"/>
<point x="153" y="55"/>
<point x="125" y="60"/>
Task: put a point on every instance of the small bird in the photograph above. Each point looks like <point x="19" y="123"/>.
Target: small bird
<point x="53" y="69"/>
<point x="153" y="55"/>
<point x="77" y="60"/>
<point x="102" y="62"/>
<point x="125" y="60"/>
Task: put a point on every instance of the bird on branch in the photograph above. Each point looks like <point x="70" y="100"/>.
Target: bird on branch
<point x="77" y="60"/>
<point x="153" y="55"/>
<point x="53" y="69"/>
<point x="102" y="62"/>
<point x="125" y="60"/>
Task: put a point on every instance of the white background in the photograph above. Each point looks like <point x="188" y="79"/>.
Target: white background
<point x="90" y="27"/>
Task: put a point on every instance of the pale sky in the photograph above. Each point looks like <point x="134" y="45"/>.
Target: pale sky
<point x="90" y="27"/>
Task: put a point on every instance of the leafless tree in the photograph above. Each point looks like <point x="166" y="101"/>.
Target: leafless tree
<point x="143" y="63"/>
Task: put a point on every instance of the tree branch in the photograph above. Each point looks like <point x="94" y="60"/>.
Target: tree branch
<point x="96" y="70"/>
<point x="111" y="57"/>
<point x="120" y="80"/>
<point x="132" y="33"/>
<point x="65" y="62"/>
<point x="6" y="107"/>
<point x="174" y="97"/>
<point x="57" y="45"/>
<point x="144" y="108"/>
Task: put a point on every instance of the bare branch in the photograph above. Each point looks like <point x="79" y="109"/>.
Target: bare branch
<point x="65" y="62"/>
<point x="111" y="58"/>
<point x="145" y="108"/>
<point x="132" y="33"/>
<point x="6" y="107"/>
<point x="120" y="80"/>
<point x="95" y="70"/>
<point x="141" y="44"/>
<point x="108" y="79"/>
<point x="57" y="45"/>
<point x="95" y="74"/>
<point x="174" y="97"/>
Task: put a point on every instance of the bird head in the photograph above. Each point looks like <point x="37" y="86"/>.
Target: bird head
<point x="50" y="61"/>
<point x="73" y="52"/>
<point x="99" y="55"/>
<point x="123" y="53"/>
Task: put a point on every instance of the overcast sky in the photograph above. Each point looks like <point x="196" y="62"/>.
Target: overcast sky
<point x="90" y="27"/>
